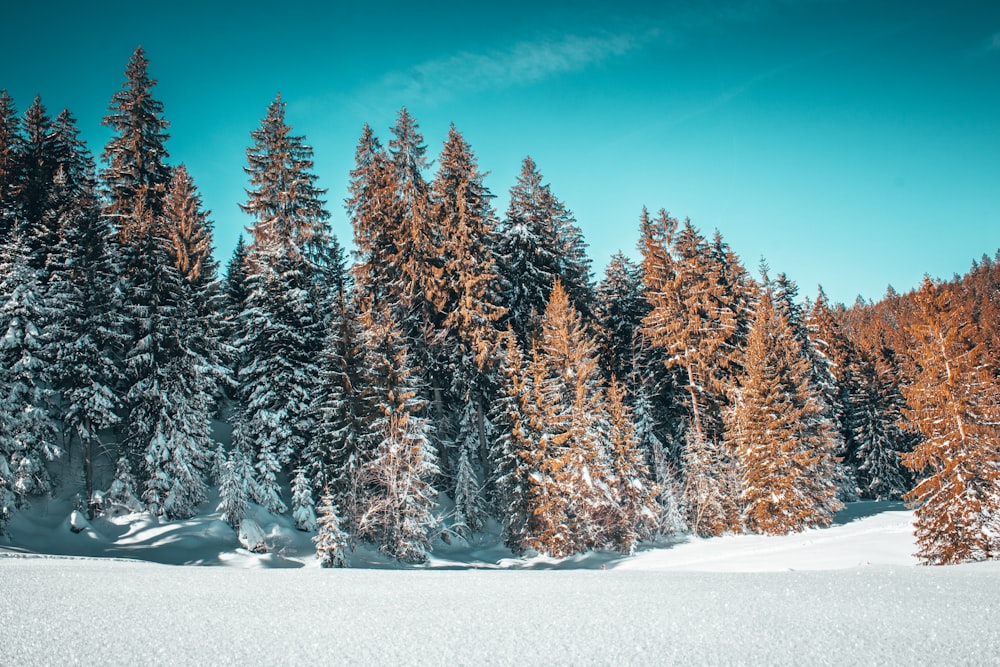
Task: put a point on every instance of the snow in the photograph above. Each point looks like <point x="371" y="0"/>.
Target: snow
<point x="843" y="595"/>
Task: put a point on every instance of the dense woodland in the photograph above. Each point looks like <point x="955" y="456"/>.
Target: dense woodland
<point x="458" y="371"/>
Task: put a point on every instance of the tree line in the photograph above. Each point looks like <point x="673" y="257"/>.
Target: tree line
<point x="458" y="371"/>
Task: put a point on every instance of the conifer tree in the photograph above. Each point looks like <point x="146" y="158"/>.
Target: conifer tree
<point x="635" y="496"/>
<point x="876" y="410"/>
<point x="395" y="508"/>
<point x="564" y="444"/>
<point x="539" y="242"/>
<point x="282" y="320"/>
<point x="84" y="339"/>
<point x="699" y="296"/>
<point x="36" y="169"/>
<point x="303" y="505"/>
<point x="375" y="276"/>
<point x="954" y="404"/>
<point x="137" y="174"/>
<point x="465" y="309"/>
<point x="10" y="132"/>
<point x="786" y="466"/>
<point x="509" y="490"/>
<point x="331" y="540"/>
<point x="621" y="306"/>
<point x="27" y="430"/>
<point x="236" y="487"/>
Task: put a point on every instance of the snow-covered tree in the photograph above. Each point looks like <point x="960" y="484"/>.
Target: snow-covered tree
<point x="395" y="481"/>
<point x="27" y="429"/>
<point x="785" y="450"/>
<point x="137" y="174"/>
<point x="303" y="505"/>
<point x="954" y="403"/>
<point x="635" y="494"/>
<point x="539" y="242"/>
<point x="563" y="445"/>
<point x="236" y="487"/>
<point x="281" y="323"/>
<point x="331" y="540"/>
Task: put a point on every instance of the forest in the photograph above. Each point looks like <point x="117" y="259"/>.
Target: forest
<point x="456" y="370"/>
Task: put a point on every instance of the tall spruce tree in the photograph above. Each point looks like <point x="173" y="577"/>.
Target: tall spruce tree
<point x="954" y="404"/>
<point x="27" y="429"/>
<point x="786" y="466"/>
<point x="85" y="340"/>
<point x="281" y="323"/>
<point x="466" y="307"/>
<point x="539" y="243"/>
<point x="10" y="132"/>
<point x="395" y="482"/>
<point x="563" y="444"/>
<point x="137" y="174"/>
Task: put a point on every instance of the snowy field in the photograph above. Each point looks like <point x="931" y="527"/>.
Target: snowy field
<point x="850" y="594"/>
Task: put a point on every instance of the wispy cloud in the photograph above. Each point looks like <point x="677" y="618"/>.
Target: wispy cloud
<point x="434" y="82"/>
<point x="992" y="44"/>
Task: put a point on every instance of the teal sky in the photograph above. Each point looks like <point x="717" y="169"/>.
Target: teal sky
<point x="852" y="143"/>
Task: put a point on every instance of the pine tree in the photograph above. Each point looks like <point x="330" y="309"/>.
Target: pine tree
<point x="27" y="430"/>
<point x="786" y="465"/>
<point x="635" y="496"/>
<point x="36" y="169"/>
<point x="538" y="243"/>
<point x="876" y="415"/>
<point x="84" y="338"/>
<point x="465" y="308"/>
<point x="137" y="174"/>
<point x="331" y="540"/>
<point x="954" y="404"/>
<point x="303" y="505"/>
<point x="621" y="306"/>
<point x="236" y="487"/>
<point x="395" y="508"/>
<point x="288" y="210"/>
<point x="700" y="295"/>
<point x="282" y="320"/>
<point x="564" y="447"/>
<point x="10" y="132"/>
<point x="510" y="489"/>
<point x="374" y="238"/>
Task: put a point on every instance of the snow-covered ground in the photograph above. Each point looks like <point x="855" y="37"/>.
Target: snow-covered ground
<point x="850" y="594"/>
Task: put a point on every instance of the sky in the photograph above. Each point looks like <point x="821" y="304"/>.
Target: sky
<point x="853" y="144"/>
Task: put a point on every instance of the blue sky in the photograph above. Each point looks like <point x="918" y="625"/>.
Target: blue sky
<point x="853" y="144"/>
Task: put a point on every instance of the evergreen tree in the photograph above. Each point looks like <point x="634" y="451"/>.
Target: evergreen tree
<point x="288" y="210"/>
<point x="876" y="410"/>
<point x="621" y="306"/>
<point x="786" y="466"/>
<point x="303" y="505"/>
<point x="341" y="410"/>
<point x="539" y="243"/>
<point x="137" y="174"/>
<point x="699" y="296"/>
<point x="35" y="179"/>
<point x="397" y="496"/>
<point x="954" y="404"/>
<point x="236" y="487"/>
<point x="27" y="430"/>
<point x="84" y="339"/>
<point x="331" y="540"/>
<point x="282" y="321"/>
<point x="564" y="445"/>
<point x="375" y="276"/>
<point x="635" y="496"/>
<point x="10" y="132"/>
<point x="465" y="309"/>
